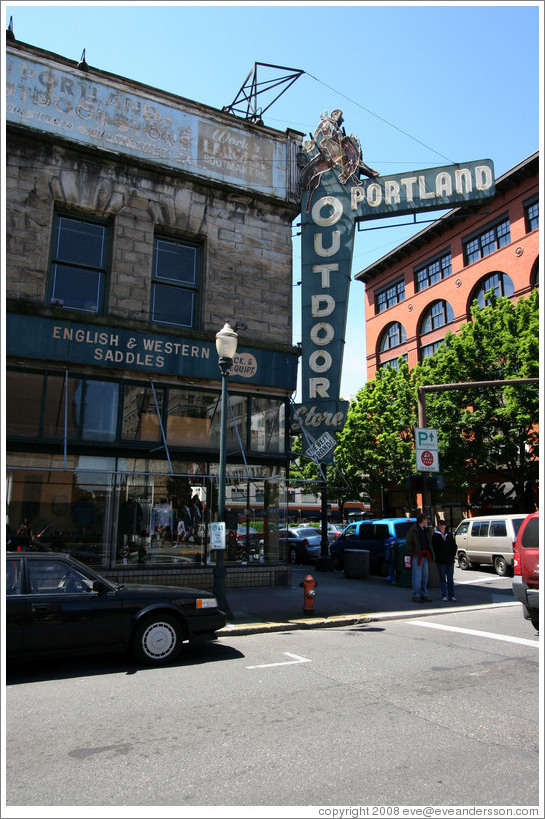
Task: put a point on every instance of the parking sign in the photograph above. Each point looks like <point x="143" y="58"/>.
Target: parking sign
<point x="427" y="454"/>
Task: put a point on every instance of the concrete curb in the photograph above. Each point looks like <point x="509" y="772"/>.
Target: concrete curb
<point x="341" y="620"/>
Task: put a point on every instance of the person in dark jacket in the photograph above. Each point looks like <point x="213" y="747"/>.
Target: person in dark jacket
<point x="418" y="544"/>
<point x="444" y="548"/>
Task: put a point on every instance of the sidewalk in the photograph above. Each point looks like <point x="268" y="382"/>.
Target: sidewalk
<point x="344" y="601"/>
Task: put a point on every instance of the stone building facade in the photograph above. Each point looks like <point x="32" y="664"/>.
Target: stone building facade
<point x="137" y="224"/>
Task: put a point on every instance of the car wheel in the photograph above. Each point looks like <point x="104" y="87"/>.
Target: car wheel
<point x="463" y="562"/>
<point x="293" y="556"/>
<point x="157" y="639"/>
<point x="534" y="619"/>
<point x="500" y="566"/>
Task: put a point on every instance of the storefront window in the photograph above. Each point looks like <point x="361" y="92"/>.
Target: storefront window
<point x="57" y="410"/>
<point x="96" y="407"/>
<point x="267" y="420"/>
<point x="140" y="416"/>
<point x="24" y="407"/>
<point x="191" y="415"/>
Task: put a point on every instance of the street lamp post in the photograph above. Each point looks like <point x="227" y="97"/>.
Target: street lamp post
<point x="226" y="345"/>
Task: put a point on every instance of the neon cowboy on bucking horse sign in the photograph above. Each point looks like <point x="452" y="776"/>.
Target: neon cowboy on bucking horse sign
<point x="331" y="149"/>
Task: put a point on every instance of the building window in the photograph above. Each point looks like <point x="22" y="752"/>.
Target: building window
<point x="487" y="242"/>
<point x="531" y="215"/>
<point x="499" y="283"/>
<point x="389" y="296"/>
<point x="392" y="336"/>
<point x="78" y="264"/>
<point x="433" y="272"/>
<point x="141" y="413"/>
<point x="95" y="408"/>
<point x="428" y="350"/>
<point x="174" y="287"/>
<point x="535" y="274"/>
<point x="437" y="315"/>
<point x="393" y="362"/>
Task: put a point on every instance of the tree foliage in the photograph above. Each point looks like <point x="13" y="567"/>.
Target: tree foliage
<point x="375" y="446"/>
<point x="480" y="430"/>
<point x="488" y="429"/>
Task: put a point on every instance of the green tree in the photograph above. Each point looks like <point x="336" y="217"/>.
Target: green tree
<point x="376" y="445"/>
<point x="488" y="430"/>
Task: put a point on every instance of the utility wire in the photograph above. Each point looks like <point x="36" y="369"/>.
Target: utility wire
<point x="401" y="131"/>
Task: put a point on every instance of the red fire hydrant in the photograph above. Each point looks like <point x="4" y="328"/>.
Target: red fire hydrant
<point x="308" y="584"/>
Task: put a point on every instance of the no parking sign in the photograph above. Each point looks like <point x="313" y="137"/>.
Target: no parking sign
<point x="427" y="455"/>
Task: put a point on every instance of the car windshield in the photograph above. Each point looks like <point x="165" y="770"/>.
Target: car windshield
<point x="401" y="529"/>
<point x="307" y="532"/>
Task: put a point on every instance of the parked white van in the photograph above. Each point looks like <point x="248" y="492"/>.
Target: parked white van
<point x="487" y="539"/>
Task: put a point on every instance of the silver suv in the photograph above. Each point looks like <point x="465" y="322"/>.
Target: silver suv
<point x="487" y="540"/>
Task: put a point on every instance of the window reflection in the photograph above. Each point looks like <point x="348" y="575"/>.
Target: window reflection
<point x="191" y="417"/>
<point x="267" y="424"/>
<point x="23" y="408"/>
<point x="140" y="417"/>
<point x="95" y="405"/>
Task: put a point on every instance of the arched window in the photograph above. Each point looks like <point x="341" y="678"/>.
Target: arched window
<point x="437" y="315"/>
<point x="534" y="277"/>
<point x="392" y="336"/>
<point x="499" y="283"/>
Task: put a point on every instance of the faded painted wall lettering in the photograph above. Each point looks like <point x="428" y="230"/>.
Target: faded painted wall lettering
<point x="99" y="112"/>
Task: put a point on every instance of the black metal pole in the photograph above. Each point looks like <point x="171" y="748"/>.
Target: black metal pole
<point x="325" y="540"/>
<point x="219" y="568"/>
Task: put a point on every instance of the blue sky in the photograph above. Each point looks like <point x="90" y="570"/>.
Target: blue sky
<point x="421" y="85"/>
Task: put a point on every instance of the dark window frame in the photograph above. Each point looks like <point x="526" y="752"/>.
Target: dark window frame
<point x="390" y="295"/>
<point x="388" y="335"/>
<point x="393" y="362"/>
<point x="163" y="391"/>
<point x="427" y="350"/>
<point x="531" y="214"/>
<point x="436" y="269"/>
<point x="57" y="261"/>
<point x="446" y="316"/>
<point x="489" y="238"/>
<point x="173" y="286"/>
<point x="505" y="287"/>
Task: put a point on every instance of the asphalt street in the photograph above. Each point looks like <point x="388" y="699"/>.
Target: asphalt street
<point x="437" y="709"/>
<point x="371" y="701"/>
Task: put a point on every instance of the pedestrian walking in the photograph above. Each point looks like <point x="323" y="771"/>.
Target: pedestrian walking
<point x="444" y="549"/>
<point x="419" y="547"/>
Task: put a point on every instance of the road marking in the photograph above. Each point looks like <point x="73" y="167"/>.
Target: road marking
<point x="520" y="640"/>
<point x="288" y="662"/>
<point x="480" y="580"/>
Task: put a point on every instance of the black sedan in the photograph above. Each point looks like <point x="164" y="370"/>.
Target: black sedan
<point x="55" y="605"/>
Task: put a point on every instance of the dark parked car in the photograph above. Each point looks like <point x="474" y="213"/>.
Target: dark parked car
<point x="302" y="544"/>
<point x="58" y="606"/>
<point x="378" y="537"/>
<point x="526" y="568"/>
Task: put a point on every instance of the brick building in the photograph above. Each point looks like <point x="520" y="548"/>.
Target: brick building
<point x="425" y="287"/>
<point x="137" y="223"/>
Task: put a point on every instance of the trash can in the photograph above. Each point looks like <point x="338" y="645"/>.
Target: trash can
<point x="356" y="563"/>
<point x="403" y="575"/>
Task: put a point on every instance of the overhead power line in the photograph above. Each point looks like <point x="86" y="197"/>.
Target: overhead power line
<point x="368" y="111"/>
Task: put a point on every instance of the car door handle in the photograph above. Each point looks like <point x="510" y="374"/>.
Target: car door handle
<point x="38" y="607"/>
